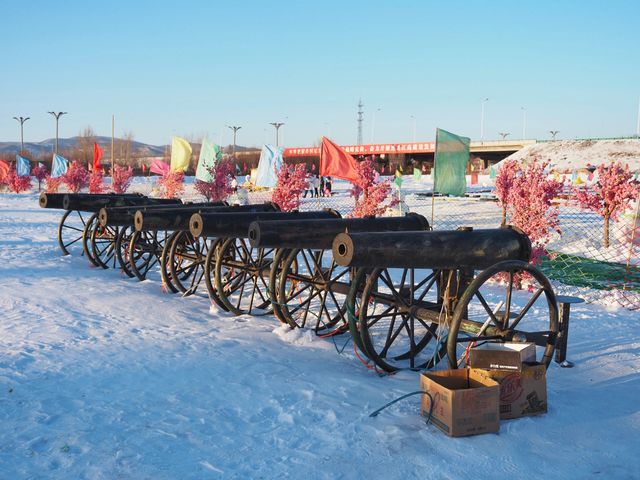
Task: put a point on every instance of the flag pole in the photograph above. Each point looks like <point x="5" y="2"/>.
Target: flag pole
<point x="113" y="134"/>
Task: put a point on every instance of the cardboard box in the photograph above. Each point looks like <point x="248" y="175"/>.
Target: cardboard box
<point x="465" y="401"/>
<point x="502" y="356"/>
<point x="521" y="393"/>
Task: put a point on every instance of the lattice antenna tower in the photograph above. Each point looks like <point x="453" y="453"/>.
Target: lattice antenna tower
<point x="360" y="120"/>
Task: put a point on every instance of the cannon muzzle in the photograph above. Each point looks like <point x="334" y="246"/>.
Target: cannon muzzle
<point x="319" y="234"/>
<point x="447" y="249"/>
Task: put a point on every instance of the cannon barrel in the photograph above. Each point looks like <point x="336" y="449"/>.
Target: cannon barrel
<point x="56" y="200"/>
<point x="237" y="224"/>
<point x="125" y="216"/>
<point x="94" y="203"/>
<point x="178" y="219"/>
<point x="447" y="249"/>
<point x="319" y="234"/>
<point x="51" y="200"/>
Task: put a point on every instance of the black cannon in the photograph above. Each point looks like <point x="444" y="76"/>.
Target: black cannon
<point x="236" y="274"/>
<point x="308" y="288"/>
<point x="163" y="235"/>
<point x="416" y="296"/>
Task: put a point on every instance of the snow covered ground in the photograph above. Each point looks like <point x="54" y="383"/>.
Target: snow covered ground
<point x="104" y="377"/>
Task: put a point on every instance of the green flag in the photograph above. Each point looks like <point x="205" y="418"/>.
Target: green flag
<point x="398" y="181"/>
<point x="492" y="172"/>
<point x="417" y="174"/>
<point x="209" y="154"/>
<point x="450" y="164"/>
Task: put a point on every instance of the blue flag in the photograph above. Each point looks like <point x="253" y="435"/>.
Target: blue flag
<point x="269" y="166"/>
<point x="23" y="167"/>
<point x="210" y="154"/>
<point x="60" y="165"/>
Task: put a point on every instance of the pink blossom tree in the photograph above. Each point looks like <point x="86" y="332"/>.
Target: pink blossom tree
<point x="526" y="195"/>
<point x="292" y="181"/>
<point x="17" y="183"/>
<point x="220" y="188"/>
<point x="372" y="197"/>
<point x="51" y="185"/>
<point x="611" y="194"/>
<point x="96" y="184"/>
<point x="121" y="178"/>
<point x="40" y="172"/>
<point x="504" y="183"/>
<point x="76" y="178"/>
<point x="171" y="184"/>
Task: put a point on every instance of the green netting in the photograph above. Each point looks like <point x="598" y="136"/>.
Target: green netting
<point x="450" y="165"/>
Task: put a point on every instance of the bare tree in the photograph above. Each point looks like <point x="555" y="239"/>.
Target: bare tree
<point x="84" y="148"/>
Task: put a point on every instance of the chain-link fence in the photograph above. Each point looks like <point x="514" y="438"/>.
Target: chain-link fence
<point x="580" y="264"/>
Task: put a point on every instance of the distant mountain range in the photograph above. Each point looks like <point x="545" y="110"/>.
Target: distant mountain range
<point x="37" y="149"/>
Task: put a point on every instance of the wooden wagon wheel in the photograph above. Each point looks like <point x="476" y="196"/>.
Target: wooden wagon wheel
<point x="70" y="231"/>
<point x="103" y="242"/>
<point x="313" y="291"/>
<point x="493" y="308"/>
<point x="145" y="248"/>
<point x="210" y="271"/>
<point x="392" y="332"/>
<point x="165" y="270"/>
<point x="186" y="260"/>
<point x="241" y="277"/>
<point x="274" y="281"/>
<point x="89" y="226"/>
<point x="122" y="250"/>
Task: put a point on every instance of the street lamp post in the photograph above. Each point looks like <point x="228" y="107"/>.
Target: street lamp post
<point x="413" y="118"/>
<point x="57" y="115"/>
<point x="482" y="119"/>
<point x="277" y="126"/>
<point x="21" y="120"/>
<point x="503" y="135"/>
<point x="235" y="132"/>
<point x="373" y="125"/>
<point x="524" y="123"/>
<point x="554" y="133"/>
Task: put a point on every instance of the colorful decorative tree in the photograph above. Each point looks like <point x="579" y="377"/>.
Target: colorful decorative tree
<point x="610" y="195"/>
<point x="121" y="178"/>
<point x="96" y="184"/>
<point x="76" y="178"/>
<point x="51" y="184"/>
<point x="17" y="183"/>
<point x="372" y="197"/>
<point x="40" y="172"/>
<point x="220" y="188"/>
<point x="292" y="181"/>
<point x="504" y="182"/>
<point x="528" y="203"/>
<point x="171" y="184"/>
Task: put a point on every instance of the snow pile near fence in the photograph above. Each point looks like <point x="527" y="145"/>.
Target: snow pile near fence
<point x="569" y="155"/>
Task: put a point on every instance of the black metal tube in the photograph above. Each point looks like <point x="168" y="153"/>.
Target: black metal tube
<point x="178" y="219"/>
<point x="125" y="216"/>
<point x="51" y="200"/>
<point x="468" y="248"/>
<point x="319" y="234"/>
<point x="95" y="203"/>
<point x="237" y="224"/>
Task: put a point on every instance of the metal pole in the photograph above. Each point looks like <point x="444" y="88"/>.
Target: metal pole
<point x="235" y="131"/>
<point x="638" y="124"/>
<point x="21" y="120"/>
<point x="57" y="116"/>
<point x="113" y="134"/>
<point x="277" y="126"/>
<point x="482" y="119"/>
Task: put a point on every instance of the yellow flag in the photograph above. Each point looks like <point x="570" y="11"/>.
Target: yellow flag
<point x="180" y="154"/>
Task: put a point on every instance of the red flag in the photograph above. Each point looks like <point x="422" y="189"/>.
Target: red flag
<point x="335" y="162"/>
<point x="159" y="167"/>
<point x="97" y="156"/>
<point x="4" y="170"/>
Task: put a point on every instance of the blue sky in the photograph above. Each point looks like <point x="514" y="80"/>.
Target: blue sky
<point x="190" y="68"/>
